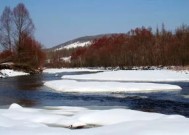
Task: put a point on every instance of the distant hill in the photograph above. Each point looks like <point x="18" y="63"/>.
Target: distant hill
<point x="78" y="42"/>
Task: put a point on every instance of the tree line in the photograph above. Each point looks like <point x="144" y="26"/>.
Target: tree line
<point x="54" y="58"/>
<point x="138" y="47"/>
<point x="17" y="38"/>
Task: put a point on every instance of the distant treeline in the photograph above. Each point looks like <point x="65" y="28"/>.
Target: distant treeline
<point x="139" y="47"/>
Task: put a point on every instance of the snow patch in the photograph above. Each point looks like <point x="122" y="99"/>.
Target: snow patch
<point x="75" y="45"/>
<point x="66" y="59"/>
<point x="61" y="70"/>
<point x="11" y="73"/>
<point x="134" y="76"/>
<point x="15" y="106"/>
<point x="110" y="87"/>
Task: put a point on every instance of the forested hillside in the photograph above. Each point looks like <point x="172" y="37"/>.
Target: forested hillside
<point x="138" y="47"/>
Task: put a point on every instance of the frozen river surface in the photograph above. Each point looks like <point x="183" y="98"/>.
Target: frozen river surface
<point x="29" y="91"/>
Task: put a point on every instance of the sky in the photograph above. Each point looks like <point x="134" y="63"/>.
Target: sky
<point x="58" y="21"/>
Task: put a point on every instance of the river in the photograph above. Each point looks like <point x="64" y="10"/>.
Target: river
<point x="29" y="91"/>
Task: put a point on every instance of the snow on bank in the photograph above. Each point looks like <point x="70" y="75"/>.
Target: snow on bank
<point x="115" y="87"/>
<point x="11" y="73"/>
<point x="66" y="59"/>
<point x="61" y="70"/>
<point x="134" y="75"/>
<point x="55" y="120"/>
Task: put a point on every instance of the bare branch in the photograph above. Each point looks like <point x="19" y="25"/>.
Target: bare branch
<point x="6" y="25"/>
<point x="23" y="22"/>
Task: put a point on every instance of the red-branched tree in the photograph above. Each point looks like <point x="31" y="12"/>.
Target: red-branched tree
<point x="30" y="53"/>
<point x="16" y="36"/>
<point x="139" y="47"/>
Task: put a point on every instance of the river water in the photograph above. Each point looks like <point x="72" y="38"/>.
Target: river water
<point x="29" y="91"/>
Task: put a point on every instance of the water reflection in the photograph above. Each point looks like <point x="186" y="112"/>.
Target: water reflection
<point x="26" y="102"/>
<point x="22" y="89"/>
<point x="31" y="82"/>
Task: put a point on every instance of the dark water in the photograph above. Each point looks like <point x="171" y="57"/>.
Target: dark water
<point x="29" y="91"/>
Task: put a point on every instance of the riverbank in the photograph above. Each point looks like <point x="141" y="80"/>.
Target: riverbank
<point x="19" y="68"/>
<point x="11" y="73"/>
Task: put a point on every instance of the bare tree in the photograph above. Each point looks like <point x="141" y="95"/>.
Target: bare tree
<point x="16" y="30"/>
<point x="6" y="27"/>
<point x="23" y="22"/>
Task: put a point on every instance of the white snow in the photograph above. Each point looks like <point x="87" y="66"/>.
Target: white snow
<point x="55" y="121"/>
<point x="115" y="87"/>
<point x="66" y="59"/>
<point x="134" y="76"/>
<point x="11" y="73"/>
<point x="117" y="81"/>
<point x="61" y="70"/>
<point x="75" y="45"/>
<point x="18" y="120"/>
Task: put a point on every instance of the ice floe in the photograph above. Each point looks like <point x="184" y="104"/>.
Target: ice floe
<point x="110" y="87"/>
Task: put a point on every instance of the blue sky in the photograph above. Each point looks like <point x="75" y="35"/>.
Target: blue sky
<point x="57" y="21"/>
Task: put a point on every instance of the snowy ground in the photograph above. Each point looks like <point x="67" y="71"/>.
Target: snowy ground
<point x="10" y="73"/>
<point x="117" y="81"/>
<point x="134" y="75"/>
<point x="61" y="70"/>
<point x="62" y="120"/>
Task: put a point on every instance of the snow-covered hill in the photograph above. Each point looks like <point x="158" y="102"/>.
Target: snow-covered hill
<point x="78" y="42"/>
<point x="75" y="45"/>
